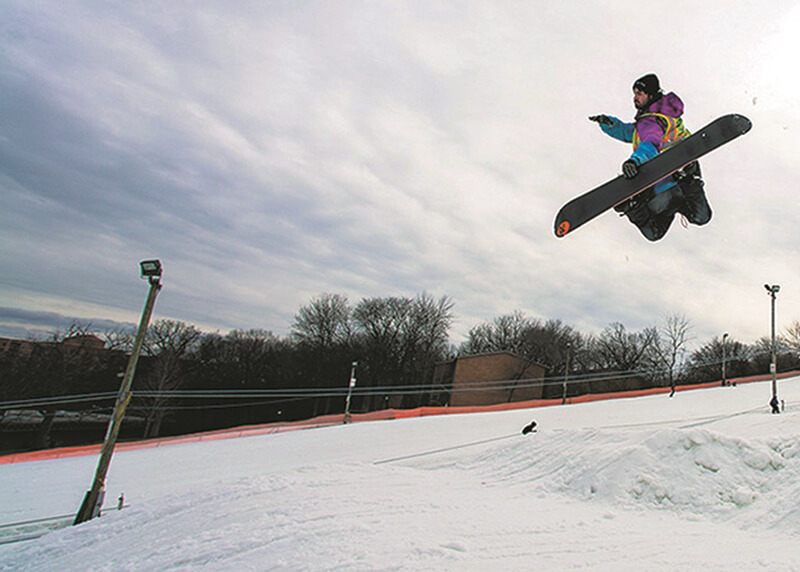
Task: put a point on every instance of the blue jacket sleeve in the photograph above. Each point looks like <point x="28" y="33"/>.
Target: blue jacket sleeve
<point x="644" y="152"/>
<point x="651" y="131"/>
<point x="619" y="130"/>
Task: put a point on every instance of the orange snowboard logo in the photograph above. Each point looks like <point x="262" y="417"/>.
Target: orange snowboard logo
<point x="563" y="228"/>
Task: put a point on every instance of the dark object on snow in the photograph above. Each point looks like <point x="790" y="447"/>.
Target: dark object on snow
<point x="529" y="428"/>
<point x="775" y="404"/>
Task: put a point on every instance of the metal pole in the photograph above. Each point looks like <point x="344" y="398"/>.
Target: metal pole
<point x="92" y="502"/>
<point x="773" y="290"/>
<point x="724" y="340"/>
<point x="566" y="377"/>
<point x="350" y="392"/>
<point x="773" y="366"/>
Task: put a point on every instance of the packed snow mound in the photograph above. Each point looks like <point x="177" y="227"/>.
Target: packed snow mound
<point x="693" y="471"/>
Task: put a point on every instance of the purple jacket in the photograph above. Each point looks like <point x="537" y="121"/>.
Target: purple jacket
<point x="651" y="132"/>
<point x="649" y="128"/>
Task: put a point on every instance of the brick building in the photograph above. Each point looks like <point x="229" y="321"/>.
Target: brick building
<point x="487" y="379"/>
<point x="24" y="348"/>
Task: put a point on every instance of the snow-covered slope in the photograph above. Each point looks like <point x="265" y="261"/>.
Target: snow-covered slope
<point x="707" y="480"/>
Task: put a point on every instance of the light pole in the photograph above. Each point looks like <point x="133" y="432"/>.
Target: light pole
<point x="566" y="377"/>
<point x="773" y="290"/>
<point x="724" y="344"/>
<point x="93" y="501"/>
<point x="350" y="392"/>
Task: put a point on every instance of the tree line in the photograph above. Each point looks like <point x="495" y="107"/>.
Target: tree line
<point x="189" y="380"/>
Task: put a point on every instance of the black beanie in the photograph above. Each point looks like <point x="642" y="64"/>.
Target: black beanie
<point x="648" y="84"/>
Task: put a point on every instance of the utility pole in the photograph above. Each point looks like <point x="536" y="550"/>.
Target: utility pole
<point x="350" y="392"/>
<point x="566" y="377"/>
<point x="724" y="340"/>
<point x="773" y="290"/>
<point x="93" y="501"/>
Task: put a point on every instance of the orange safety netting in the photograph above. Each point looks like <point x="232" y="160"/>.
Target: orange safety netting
<point x="338" y="419"/>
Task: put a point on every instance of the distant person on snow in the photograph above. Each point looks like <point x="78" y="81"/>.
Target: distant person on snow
<point x="657" y="126"/>
<point x="775" y="404"/>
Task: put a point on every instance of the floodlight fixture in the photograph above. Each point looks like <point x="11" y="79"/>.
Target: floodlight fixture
<point x="151" y="268"/>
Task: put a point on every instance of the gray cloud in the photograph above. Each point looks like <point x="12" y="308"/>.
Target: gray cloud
<point x="18" y="323"/>
<point x="269" y="153"/>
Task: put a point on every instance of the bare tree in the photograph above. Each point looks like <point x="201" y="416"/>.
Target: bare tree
<point x="324" y="323"/>
<point x="427" y="331"/>
<point x="168" y="344"/>
<point x="505" y="333"/>
<point x="705" y="364"/>
<point x="670" y="343"/>
<point x="66" y="363"/>
<point x="323" y="332"/>
<point x="119" y="339"/>
<point x="548" y="344"/>
<point x="791" y="337"/>
<point x="401" y="339"/>
<point x="617" y="349"/>
<point x="252" y="356"/>
<point x="380" y="322"/>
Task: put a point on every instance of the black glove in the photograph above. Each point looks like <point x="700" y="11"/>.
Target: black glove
<point x="630" y="169"/>
<point x="602" y="119"/>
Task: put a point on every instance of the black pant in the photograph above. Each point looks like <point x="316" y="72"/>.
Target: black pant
<point x="655" y="213"/>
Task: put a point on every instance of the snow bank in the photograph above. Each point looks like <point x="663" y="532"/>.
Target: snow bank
<point x="696" y="472"/>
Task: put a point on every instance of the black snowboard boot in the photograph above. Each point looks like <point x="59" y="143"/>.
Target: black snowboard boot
<point x="694" y="206"/>
<point x="657" y="226"/>
<point x="659" y="214"/>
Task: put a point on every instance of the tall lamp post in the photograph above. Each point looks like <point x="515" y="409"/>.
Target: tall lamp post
<point x="566" y="378"/>
<point x="773" y="290"/>
<point x="350" y="391"/>
<point x="93" y="501"/>
<point x="724" y="344"/>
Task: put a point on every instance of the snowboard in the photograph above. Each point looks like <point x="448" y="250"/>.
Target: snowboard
<point x="587" y="206"/>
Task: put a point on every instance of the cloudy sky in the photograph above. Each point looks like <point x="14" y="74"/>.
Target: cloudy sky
<point x="270" y="151"/>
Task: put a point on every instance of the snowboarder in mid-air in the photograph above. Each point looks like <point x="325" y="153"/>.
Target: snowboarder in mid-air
<point x="657" y="126"/>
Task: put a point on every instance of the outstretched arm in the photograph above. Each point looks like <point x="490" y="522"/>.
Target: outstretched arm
<point x="614" y="127"/>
